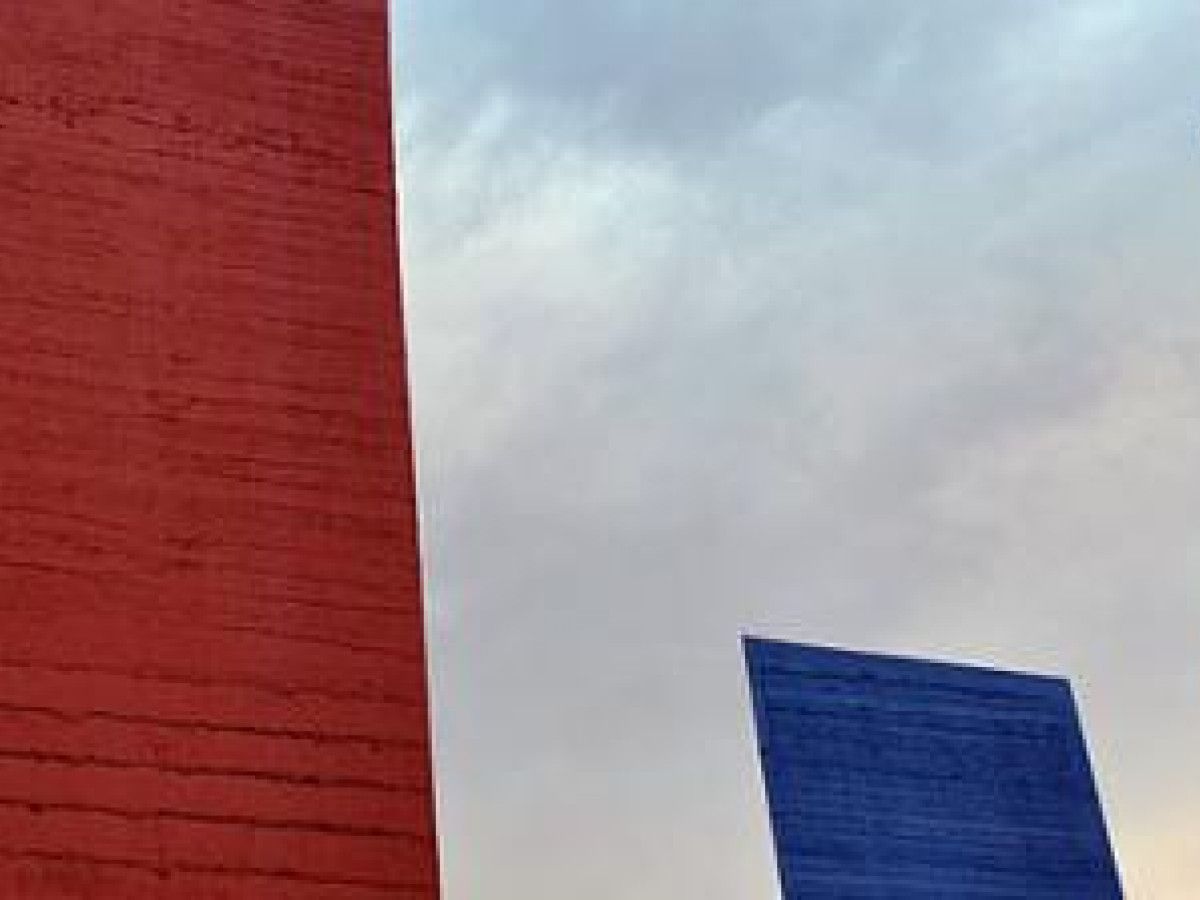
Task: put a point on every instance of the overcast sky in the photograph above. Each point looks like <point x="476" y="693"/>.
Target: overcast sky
<point x="865" y="323"/>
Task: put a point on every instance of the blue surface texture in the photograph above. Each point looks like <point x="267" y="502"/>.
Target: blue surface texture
<point x="899" y="778"/>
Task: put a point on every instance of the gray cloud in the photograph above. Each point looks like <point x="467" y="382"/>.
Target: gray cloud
<point x="673" y="72"/>
<point x="863" y="323"/>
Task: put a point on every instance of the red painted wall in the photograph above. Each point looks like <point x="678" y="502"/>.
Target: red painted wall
<point x="212" y="682"/>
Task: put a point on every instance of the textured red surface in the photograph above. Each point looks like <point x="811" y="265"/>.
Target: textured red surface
<point x="212" y="682"/>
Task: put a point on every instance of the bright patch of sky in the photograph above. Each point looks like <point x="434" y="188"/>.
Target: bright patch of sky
<point x="868" y="323"/>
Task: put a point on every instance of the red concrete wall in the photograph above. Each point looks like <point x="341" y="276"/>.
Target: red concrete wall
<point x="212" y="681"/>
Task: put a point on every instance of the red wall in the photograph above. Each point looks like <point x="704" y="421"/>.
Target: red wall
<point x="212" y="681"/>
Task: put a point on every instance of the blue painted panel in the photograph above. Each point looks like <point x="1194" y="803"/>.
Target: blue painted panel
<point x="899" y="778"/>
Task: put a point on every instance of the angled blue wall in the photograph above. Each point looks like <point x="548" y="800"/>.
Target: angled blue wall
<point x="897" y="778"/>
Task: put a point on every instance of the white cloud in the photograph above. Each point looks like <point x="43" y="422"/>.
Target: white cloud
<point x="879" y="333"/>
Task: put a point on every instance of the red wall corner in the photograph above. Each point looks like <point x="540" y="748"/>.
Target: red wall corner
<point x="212" y="674"/>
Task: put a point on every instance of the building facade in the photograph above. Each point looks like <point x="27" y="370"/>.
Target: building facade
<point x="212" y="671"/>
<point x="902" y="778"/>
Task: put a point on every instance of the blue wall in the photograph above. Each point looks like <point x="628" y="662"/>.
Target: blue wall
<point x="897" y="778"/>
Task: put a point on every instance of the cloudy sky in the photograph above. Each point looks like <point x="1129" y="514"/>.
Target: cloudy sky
<point x="863" y="322"/>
